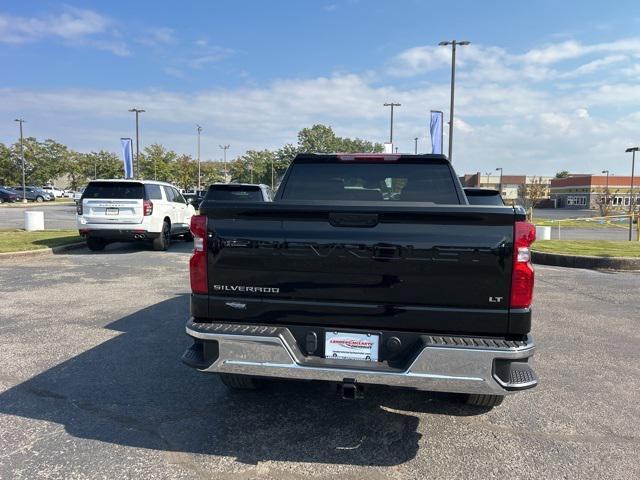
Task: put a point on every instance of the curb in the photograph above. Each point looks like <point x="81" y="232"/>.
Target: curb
<point x="581" y="261"/>
<point x="42" y="251"/>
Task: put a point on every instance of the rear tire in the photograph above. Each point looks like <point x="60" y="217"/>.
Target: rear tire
<point x="479" y="400"/>
<point x="96" y="244"/>
<point x="239" y="382"/>
<point x="162" y="242"/>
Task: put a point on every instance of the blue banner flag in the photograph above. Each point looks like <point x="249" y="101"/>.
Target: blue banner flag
<point x="436" y="131"/>
<point x="127" y="156"/>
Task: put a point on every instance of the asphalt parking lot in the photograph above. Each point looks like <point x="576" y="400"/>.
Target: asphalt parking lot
<point x="56" y="217"/>
<point x="91" y="386"/>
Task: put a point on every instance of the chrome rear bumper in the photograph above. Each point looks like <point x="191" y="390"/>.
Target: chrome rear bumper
<point x="467" y="366"/>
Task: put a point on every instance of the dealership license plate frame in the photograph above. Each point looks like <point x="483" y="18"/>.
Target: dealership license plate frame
<point x="344" y="345"/>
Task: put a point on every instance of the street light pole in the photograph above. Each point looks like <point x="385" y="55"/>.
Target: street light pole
<point x="415" y="145"/>
<point x="606" y="189"/>
<point x="24" y="187"/>
<point x="633" y="151"/>
<point x="391" y="104"/>
<point x="454" y="44"/>
<point x="500" y="187"/>
<point x="138" y="111"/>
<point x="199" y="129"/>
<point x="225" y="148"/>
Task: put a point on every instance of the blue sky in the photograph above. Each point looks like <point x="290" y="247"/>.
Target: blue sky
<point x="542" y="88"/>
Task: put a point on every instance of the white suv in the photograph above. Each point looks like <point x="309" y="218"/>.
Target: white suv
<point x="132" y="210"/>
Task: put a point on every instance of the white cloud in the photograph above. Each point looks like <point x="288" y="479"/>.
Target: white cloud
<point x="74" y="26"/>
<point x="525" y="114"/>
<point x="71" y="24"/>
<point x="158" y="36"/>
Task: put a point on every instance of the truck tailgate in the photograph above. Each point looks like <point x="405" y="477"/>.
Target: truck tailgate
<point x="362" y="265"/>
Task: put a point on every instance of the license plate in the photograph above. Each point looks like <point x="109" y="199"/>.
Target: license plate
<point x="112" y="211"/>
<point x="351" y="346"/>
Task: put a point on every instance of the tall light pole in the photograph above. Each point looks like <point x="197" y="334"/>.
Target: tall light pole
<point x="500" y="187"/>
<point x="199" y="130"/>
<point x="225" y="148"/>
<point x="24" y="187"/>
<point x="606" y="189"/>
<point x="391" y="104"/>
<point x="454" y="44"/>
<point x="633" y="151"/>
<point x="488" y="175"/>
<point x="138" y="111"/>
<point x="415" y="145"/>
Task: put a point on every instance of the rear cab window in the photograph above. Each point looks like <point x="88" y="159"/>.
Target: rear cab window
<point x="235" y="193"/>
<point x="371" y="181"/>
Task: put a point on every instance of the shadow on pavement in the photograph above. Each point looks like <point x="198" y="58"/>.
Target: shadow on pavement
<point x="132" y="390"/>
<point x="178" y="245"/>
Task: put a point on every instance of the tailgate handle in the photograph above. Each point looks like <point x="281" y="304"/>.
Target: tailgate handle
<point x="364" y="220"/>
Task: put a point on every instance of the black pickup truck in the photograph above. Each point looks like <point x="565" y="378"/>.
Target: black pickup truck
<point x="365" y="269"/>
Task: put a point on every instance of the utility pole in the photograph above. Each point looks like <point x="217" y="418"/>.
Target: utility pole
<point x="633" y="151"/>
<point x="138" y="111"/>
<point x="488" y="175"/>
<point x="606" y="189"/>
<point x="199" y="130"/>
<point x="272" y="161"/>
<point x="225" y="148"/>
<point x="24" y="187"/>
<point x="415" y="145"/>
<point x="391" y="128"/>
<point x="500" y="187"/>
<point x="453" y="44"/>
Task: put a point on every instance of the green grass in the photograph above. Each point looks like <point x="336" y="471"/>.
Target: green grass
<point x="19" y="240"/>
<point x="591" y="248"/>
<point x="586" y="223"/>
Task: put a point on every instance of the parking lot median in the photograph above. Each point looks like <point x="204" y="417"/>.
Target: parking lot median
<point x="596" y="254"/>
<point x="13" y="241"/>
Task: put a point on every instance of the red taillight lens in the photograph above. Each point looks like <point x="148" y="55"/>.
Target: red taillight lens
<point x="198" y="261"/>
<point x="147" y="207"/>
<point x="523" y="275"/>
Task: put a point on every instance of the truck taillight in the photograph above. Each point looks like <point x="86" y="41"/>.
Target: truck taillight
<point x="147" y="207"/>
<point x="198" y="261"/>
<point x="522" y="276"/>
<point x="79" y="208"/>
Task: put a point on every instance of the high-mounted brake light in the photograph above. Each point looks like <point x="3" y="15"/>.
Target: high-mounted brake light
<point x="369" y="157"/>
<point x="147" y="207"/>
<point x="198" y="261"/>
<point x="522" y="277"/>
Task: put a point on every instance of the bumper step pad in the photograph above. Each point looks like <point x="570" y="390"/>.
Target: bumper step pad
<point x="515" y="375"/>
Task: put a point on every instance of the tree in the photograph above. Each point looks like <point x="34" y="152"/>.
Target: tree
<point x="10" y="172"/>
<point x="531" y="193"/>
<point x="562" y="174"/>
<point x="185" y="173"/>
<point x="156" y="163"/>
<point x="321" y="139"/>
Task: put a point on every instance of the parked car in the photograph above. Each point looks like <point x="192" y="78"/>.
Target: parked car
<point x="238" y="192"/>
<point x="483" y="196"/>
<point x="407" y="287"/>
<point x="194" y="198"/>
<point x="132" y="210"/>
<point x="78" y="195"/>
<point x="9" y="196"/>
<point x="55" y="191"/>
<point x="34" y="194"/>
